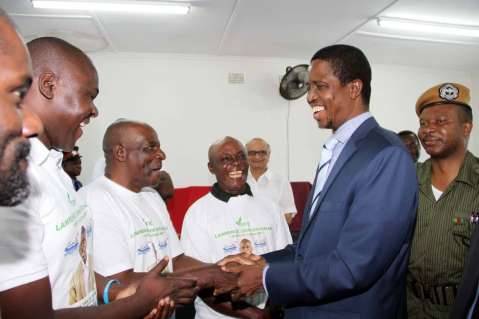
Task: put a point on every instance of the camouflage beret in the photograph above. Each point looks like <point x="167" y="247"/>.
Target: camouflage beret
<point x="445" y="93"/>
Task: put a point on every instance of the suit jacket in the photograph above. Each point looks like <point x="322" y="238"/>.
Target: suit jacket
<point x="470" y="280"/>
<point x="351" y="257"/>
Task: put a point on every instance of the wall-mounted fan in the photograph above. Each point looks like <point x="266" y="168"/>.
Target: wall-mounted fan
<point x="294" y="83"/>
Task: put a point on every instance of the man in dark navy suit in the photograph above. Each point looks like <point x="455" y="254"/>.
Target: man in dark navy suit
<point x="467" y="300"/>
<point x="351" y="257"/>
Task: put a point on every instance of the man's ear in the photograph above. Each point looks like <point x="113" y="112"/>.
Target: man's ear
<point x="119" y="153"/>
<point x="46" y="84"/>
<point x="467" y="129"/>
<point x="210" y="168"/>
<point x="355" y="88"/>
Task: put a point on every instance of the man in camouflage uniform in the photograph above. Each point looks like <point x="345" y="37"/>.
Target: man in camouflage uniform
<point x="448" y="201"/>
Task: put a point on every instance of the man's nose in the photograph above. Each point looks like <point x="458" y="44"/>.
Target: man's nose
<point x="32" y="125"/>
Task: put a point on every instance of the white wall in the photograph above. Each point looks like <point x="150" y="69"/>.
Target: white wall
<point x="188" y="100"/>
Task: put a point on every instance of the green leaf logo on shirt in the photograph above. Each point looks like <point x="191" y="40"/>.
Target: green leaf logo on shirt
<point x="242" y="223"/>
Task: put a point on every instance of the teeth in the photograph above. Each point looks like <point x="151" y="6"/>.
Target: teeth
<point x="317" y="109"/>
<point x="235" y="174"/>
<point x="85" y="122"/>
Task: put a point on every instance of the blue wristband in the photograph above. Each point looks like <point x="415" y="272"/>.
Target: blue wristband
<point x="106" y="299"/>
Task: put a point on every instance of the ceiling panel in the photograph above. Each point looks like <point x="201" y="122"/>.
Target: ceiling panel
<point x="455" y="12"/>
<point x="82" y="31"/>
<point x="198" y="32"/>
<point x="417" y="53"/>
<point x="451" y="52"/>
<point x="269" y="28"/>
<point x="285" y="28"/>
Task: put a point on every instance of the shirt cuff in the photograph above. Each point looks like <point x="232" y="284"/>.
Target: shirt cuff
<point x="264" y="280"/>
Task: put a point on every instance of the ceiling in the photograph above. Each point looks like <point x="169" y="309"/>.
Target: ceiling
<point x="261" y="28"/>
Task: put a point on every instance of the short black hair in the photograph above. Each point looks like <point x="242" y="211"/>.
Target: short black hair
<point x="408" y="133"/>
<point x="348" y="63"/>
<point x="465" y="113"/>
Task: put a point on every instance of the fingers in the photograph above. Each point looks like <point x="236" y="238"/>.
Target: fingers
<point x="156" y="271"/>
<point x="238" y="261"/>
<point x="232" y="267"/>
<point x="236" y="295"/>
<point x="152" y="315"/>
<point x="243" y="259"/>
<point x="182" y="283"/>
<point x="184" y="296"/>
<point x="225" y="284"/>
<point x="255" y="257"/>
<point x="166" y="308"/>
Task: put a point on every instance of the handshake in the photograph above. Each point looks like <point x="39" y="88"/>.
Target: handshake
<point x="230" y="279"/>
<point x="240" y="275"/>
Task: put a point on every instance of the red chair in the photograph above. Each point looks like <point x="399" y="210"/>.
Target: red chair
<point x="300" y="192"/>
<point x="181" y="201"/>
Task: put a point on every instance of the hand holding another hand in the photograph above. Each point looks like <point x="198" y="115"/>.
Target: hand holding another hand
<point x="250" y="270"/>
<point x="154" y="286"/>
<point x="210" y="276"/>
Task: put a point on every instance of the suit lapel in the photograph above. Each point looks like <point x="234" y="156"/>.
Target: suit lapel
<point x="348" y="151"/>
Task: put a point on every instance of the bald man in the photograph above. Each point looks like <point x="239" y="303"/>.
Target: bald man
<point x="133" y="231"/>
<point x="266" y="183"/>
<point x="223" y="221"/>
<point x="65" y="83"/>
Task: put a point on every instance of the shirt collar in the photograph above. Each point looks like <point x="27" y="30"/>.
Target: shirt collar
<point x="266" y="175"/>
<point x="39" y="153"/>
<point x="220" y="194"/>
<point x="346" y="130"/>
<point x="469" y="172"/>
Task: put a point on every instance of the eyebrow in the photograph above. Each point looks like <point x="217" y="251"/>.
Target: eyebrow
<point x="25" y="85"/>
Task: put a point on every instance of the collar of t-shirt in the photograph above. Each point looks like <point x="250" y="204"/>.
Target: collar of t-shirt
<point x="220" y="194"/>
<point x="39" y="153"/>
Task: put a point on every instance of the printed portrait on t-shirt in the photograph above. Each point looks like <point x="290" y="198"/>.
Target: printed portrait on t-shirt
<point x="246" y="246"/>
<point x="82" y="281"/>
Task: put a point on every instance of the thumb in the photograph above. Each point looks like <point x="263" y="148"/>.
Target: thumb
<point x="156" y="271"/>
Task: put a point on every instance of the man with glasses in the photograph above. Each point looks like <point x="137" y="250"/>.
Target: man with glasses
<point x="264" y="182"/>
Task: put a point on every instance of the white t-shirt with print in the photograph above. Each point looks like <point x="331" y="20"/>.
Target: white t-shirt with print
<point x="42" y="236"/>
<point x="132" y="230"/>
<point x="274" y="187"/>
<point x="213" y="229"/>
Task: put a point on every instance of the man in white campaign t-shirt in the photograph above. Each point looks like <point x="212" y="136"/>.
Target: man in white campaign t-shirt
<point x="230" y="220"/>
<point x="46" y="241"/>
<point x="133" y="231"/>
<point x="264" y="182"/>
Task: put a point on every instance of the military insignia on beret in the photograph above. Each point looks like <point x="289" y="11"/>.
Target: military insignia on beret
<point x="448" y="92"/>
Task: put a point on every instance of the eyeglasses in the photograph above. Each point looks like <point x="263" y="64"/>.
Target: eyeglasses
<point x="261" y="153"/>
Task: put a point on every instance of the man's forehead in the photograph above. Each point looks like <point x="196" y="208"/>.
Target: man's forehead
<point x="12" y="47"/>
<point x="230" y="146"/>
<point x="257" y="144"/>
<point x="319" y="67"/>
<point x="438" y="110"/>
<point x="146" y="134"/>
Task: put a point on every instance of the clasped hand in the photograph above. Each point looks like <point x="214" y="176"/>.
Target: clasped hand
<point x="249" y="269"/>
